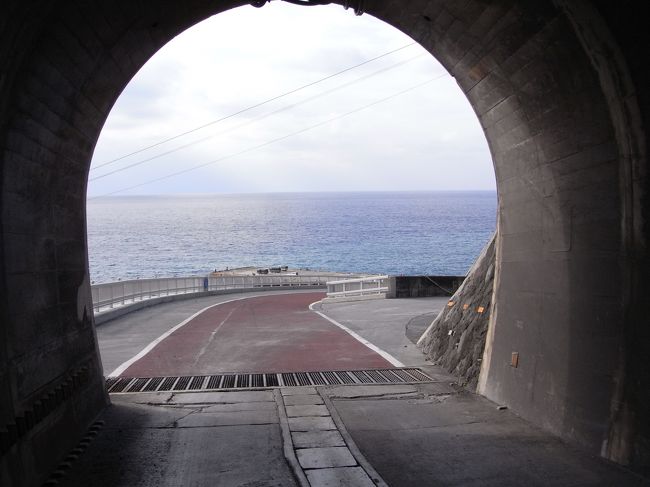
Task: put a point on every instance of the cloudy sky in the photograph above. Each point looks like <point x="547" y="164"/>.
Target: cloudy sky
<point x="381" y="126"/>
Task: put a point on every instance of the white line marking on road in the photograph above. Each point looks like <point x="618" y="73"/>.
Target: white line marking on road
<point x="151" y="346"/>
<point x="372" y="347"/>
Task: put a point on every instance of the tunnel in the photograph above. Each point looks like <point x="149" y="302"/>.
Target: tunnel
<point x="558" y="87"/>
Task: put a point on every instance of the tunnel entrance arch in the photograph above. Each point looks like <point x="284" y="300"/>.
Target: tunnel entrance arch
<point x="553" y="85"/>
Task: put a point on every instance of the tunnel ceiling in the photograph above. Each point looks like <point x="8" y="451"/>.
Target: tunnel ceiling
<point x="555" y="87"/>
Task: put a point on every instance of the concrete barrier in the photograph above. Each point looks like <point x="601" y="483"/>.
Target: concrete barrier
<point x="423" y="286"/>
<point x="111" y="314"/>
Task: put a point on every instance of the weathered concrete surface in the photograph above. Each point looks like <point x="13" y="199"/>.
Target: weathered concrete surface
<point x="455" y="438"/>
<point x="343" y="476"/>
<point x="417" y="325"/>
<point x="422" y="286"/>
<point x="171" y="443"/>
<point x="560" y="89"/>
<point x="428" y="434"/>
<point x="312" y="439"/>
<point x="321" y="454"/>
<point x="383" y="322"/>
<point x="456" y="338"/>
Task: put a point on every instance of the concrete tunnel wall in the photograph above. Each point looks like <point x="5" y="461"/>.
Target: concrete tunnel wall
<point x="556" y="86"/>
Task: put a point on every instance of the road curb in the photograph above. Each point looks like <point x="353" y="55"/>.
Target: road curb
<point x="287" y="442"/>
<point x="352" y="446"/>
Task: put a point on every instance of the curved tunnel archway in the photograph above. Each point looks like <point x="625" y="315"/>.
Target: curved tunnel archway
<point x="555" y="88"/>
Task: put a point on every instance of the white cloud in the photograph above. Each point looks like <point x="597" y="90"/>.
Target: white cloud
<point x="428" y="138"/>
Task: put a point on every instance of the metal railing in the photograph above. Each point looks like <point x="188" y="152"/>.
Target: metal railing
<point x="363" y="286"/>
<point x="122" y="293"/>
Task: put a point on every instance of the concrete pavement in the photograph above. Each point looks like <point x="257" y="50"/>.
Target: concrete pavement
<point x="357" y="435"/>
<point x="437" y="435"/>
<point x="383" y="322"/>
<point x="228" y="439"/>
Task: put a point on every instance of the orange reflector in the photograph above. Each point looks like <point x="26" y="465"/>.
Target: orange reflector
<point x="450" y="304"/>
<point x="480" y="309"/>
<point x="465" y="306"/>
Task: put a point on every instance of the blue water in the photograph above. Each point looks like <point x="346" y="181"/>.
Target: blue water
<point x="394" y="232"/>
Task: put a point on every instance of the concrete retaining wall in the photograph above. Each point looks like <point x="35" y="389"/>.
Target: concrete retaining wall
<point x="423" y="286"/>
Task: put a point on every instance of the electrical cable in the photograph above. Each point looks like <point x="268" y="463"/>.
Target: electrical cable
<point x="257" y="105"/>
<point x="448" y="291"/>
<point x="257" y="119"/>
<point x="273" y="141"/>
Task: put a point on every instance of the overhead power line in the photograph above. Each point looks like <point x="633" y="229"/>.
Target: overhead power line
<point x="273" y="141"/>
<point x="257" y="105"/>
<point x="257" y="119"/>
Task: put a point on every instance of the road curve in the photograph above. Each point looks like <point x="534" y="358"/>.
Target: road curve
<point x="274" y="333"/>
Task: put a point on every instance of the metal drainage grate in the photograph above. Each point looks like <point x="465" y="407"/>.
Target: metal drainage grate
<point x="246" y="381"/>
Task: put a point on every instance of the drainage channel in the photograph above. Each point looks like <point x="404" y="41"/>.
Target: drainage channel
<point x="281" y="379"/>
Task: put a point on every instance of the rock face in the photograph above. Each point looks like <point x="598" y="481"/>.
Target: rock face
<point x="456" y="338"/>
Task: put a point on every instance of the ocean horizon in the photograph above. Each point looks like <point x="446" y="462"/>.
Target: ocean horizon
<point x="399" y="233"/>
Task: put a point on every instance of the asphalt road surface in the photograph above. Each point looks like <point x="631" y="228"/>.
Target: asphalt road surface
<point x="273" y="333"/>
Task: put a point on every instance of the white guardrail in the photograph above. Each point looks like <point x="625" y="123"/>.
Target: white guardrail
<point x="117" y="294"/>
<point x="363" y="286"/>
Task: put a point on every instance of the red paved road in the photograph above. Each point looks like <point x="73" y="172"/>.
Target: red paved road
<point x="275" y="333"/>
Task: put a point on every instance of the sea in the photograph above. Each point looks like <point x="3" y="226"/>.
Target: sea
<point x="397" y="233"/>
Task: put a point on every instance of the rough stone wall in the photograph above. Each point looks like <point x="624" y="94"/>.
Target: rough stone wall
<point x="456" y="338"/>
